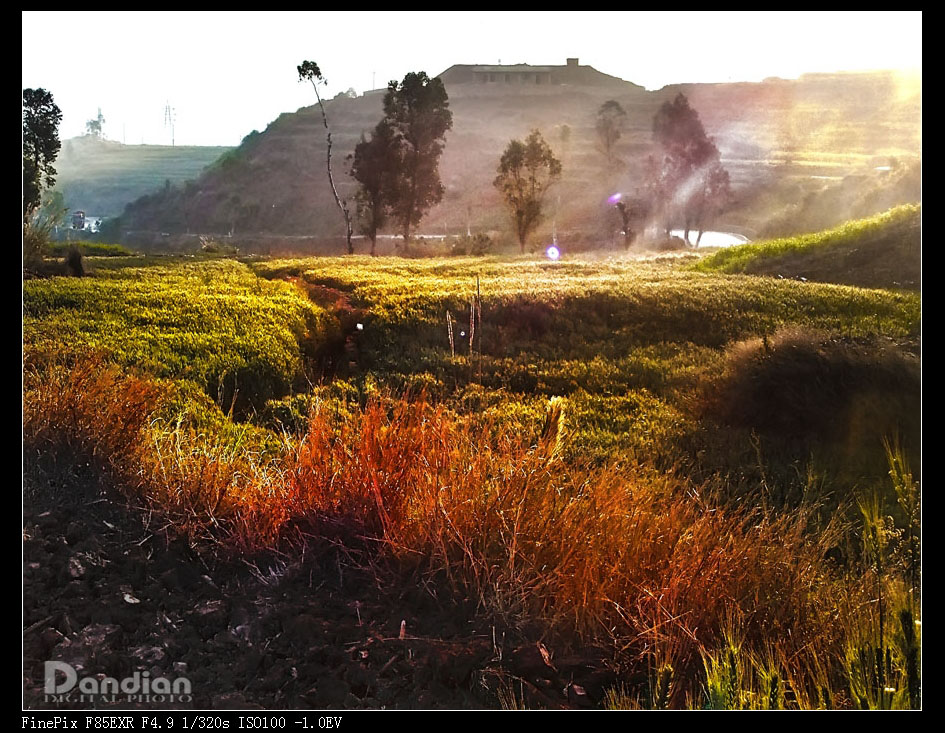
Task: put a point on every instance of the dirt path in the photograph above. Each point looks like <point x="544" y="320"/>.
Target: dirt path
<point x="342" y="356"/>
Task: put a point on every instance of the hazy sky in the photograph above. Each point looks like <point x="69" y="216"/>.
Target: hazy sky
<point x="227" y="73"/>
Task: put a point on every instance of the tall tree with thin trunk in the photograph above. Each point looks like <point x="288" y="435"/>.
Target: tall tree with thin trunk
<point x="309" y="71"/>
<point x="712" y="196"/>
<point x="687" y="182"/>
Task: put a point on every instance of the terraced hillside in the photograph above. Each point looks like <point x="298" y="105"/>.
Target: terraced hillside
<point x="781" y="140"/>
<point x="101" y="177"/>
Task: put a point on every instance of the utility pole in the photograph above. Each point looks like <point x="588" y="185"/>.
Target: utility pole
<point x="170" y="114"/>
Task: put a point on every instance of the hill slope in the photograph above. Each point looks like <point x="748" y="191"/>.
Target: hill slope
<point x="101" y="177"/>
<point x="808" y="130"/>
<point x="882" y="251"/>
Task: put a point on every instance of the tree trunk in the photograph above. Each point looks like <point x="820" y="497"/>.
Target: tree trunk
<point x="342" y="204"/>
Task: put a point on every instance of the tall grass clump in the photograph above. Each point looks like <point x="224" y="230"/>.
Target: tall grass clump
<point x="883" y="637"/>
<point x="800" y="381"/>
<point x="494" y="516"/>
<point x="38" y="229"/>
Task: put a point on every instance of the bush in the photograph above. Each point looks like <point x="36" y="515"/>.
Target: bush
<point x="477" y="245"/>
<point x="667" y="244"/>
<point x="839" y="397"/>
<point x="213" y="246"/>
<point x="74" y="261"/>
<point x="37" y="234"/>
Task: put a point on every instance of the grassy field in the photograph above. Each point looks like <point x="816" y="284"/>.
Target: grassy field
<point x="674" y="464"/>
<point x="878" y="251"/>
<point x="211" y="323"/>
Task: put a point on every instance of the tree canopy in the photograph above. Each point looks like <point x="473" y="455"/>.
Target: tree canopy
<point x="41" y="118"/>
<point x="687" y="181"/>
<point x="417" y="111"/>
<point x="526" y="171"/>
<point x="375" y="163"/>
<point x="611" y="119"/>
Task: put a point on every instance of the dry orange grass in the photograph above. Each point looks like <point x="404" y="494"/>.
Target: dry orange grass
<point x="652" y="565"/>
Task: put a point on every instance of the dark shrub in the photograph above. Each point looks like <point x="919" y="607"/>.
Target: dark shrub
<point x="800" y="383"/>
<point x="74" y="261"/>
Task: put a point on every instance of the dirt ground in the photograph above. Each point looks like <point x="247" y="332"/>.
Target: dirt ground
<point x="107" y="591"/>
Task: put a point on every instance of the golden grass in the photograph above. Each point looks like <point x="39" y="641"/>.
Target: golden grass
<point x="639" y="558"/>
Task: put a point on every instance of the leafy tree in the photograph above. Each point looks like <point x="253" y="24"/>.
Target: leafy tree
<point x="611" y="119"/>
<point x="417" y="110"/>
<point x="94" y="126"/>
<point x="526" y="172"/>
<point x="688" y="180"/>
<point x="374" y="167"/>
<point x="41" y="118"/>
<point x="309" y="71"/>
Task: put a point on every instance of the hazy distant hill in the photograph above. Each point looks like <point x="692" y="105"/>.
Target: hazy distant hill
<point x="101" y="177"/>
<point x="785" y="137"/>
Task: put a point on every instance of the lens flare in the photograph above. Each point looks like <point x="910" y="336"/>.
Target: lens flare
<point x="553" y="252"/>
<point x="614" y="199"/>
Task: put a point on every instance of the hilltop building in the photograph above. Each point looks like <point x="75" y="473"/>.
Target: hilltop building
<point x="501" y="75"/>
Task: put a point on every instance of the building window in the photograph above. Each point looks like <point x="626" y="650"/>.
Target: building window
<point x="491" y="77"/>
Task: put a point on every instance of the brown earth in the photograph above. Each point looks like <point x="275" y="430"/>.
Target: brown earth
<point x="108" y="588"/>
